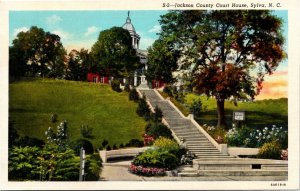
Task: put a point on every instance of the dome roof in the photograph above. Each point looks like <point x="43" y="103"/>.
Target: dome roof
<point x="128" y="25"/>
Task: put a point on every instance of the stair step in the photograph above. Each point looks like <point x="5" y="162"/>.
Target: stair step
<point x="188" y="174"/>
<point x="242" y="173"/>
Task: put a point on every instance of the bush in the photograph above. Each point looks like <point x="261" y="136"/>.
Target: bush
<point x="165" y="144"/>
<point x="127" y="87"/>
<point x="270" y="150"/>
<point x="104" y="143"/>
<point x="31" y="142"/>
<point x="135" y="143"/>
<point x="114" y="147"/>
<point x="143" y="108"/>
<point x="115" y="85"/>
<point x="86" y="131"/>
<point x="87" y="145"/>
<point x="157" y="115"/>
<point x="133" y="95"/>
<point x="196" y="108"/>
<point x="53" y="118"/>
<point x="156" y="158"/>
<point x="157" y="130"/>
<point x="93" y="167"/>
<point x="167" y="90"/>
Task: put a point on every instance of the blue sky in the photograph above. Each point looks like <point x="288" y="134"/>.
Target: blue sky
<point x="80" y="29"/>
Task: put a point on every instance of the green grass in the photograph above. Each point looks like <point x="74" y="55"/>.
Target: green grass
<point x="111" y="115"/>
<point x="259" y="114"/>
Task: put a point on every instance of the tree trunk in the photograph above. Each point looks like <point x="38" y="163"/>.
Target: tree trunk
<point x="221" y="114"/>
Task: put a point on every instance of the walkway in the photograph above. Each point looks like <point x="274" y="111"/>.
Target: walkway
<point x="119" y="172"/>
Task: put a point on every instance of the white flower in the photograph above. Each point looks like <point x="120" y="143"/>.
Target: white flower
<point x="266" y="128"/>
<point x="260" y="134"/>
<point x="273" y="126"/>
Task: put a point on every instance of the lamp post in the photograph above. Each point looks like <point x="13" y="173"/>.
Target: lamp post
<point x="82" y="162"/>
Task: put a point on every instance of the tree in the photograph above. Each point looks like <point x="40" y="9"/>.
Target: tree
<point x="229" y="52"/>
<point x="162" y="61"/>
<point x="36" y="53"/>
<point x="114" y="54"/>
<point x="78" y="65"/>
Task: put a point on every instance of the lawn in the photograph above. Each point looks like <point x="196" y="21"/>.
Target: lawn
<point x="111" y="115"/>
<point x="259" y="114"/>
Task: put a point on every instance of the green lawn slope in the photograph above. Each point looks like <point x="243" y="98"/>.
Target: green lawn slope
<point x="111" y="115"/>
<point x="259" y="114"/>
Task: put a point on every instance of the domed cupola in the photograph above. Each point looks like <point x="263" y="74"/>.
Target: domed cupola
<point x="135" y="37"/>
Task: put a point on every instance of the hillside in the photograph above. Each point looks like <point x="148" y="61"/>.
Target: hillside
<point x="259" y="114"/>
<point x="111" y="115"/>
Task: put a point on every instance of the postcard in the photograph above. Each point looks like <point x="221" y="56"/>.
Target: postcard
<point x="149" y="95"/>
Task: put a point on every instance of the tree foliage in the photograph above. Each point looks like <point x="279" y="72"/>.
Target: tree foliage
<point x="162" y="61"/>
<point x="78" y="65"/>
<point x="36" y="53"/>
<point x="114" y="54"/>
<point x="229" y="52"/>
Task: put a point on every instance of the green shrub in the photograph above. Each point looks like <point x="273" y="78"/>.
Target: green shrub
<point x="115" y="85"/>
<point x="196" y="108"/>
<point x="157" y="115"/>
<point x="156" y="158"/>
<point x="270" y="150"/>
<point x="157" y="130"/>
<point x="53" y="118"/>
<point x="133" y="95"/>
<point x="87" y="145"/>
<point x="143" y="108"/>
<point x="93" y="167"/>
<point x="104" y="143"/>
<point x="86" y="131"/>
<point x="127" y="87"/>
<point x="165" y="144"/>
<point x="135" y="143"/>
<point x="31" y="142"/>
<point x="167" y="90"/>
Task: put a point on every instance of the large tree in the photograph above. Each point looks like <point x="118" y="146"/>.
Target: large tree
<point x="229" y="52"/>
<point x="78" y="65"/>
<point x="113" y="52"/>
<point x="36" y="53"/>
<point x="162" y="61"/>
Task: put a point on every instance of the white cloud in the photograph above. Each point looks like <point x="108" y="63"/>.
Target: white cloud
<point x="146" y="42"/>
<point x="54" y="19"/>
<point x="155" y="29"/>
<point x="91" y="30"/>
<point x="18" y="30"/>
<point x="62" y="34"/>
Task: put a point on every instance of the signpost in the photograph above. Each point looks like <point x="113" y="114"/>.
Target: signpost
<point x="239" y="117"/>
<point x="82" y="162"/>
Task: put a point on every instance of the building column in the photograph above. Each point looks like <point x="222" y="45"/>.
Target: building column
<point x="135" y="79"/>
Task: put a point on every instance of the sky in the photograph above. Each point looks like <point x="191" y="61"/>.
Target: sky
<point x="80" y="29"/>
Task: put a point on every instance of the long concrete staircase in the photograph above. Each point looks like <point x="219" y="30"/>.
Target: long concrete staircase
<point x="195" y="140"/>
<point x="211" y="159"/>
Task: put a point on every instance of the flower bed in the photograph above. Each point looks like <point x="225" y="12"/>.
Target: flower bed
<point x="146" y="171"/>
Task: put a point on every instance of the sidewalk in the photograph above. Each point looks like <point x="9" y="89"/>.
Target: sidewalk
<point x="118" y="171"/>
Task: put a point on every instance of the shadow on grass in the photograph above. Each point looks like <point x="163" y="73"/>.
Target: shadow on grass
<point x="254" y="119"/>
